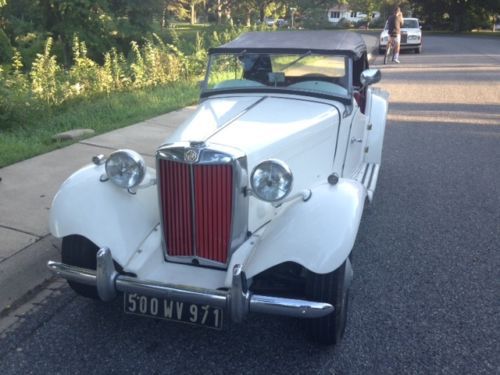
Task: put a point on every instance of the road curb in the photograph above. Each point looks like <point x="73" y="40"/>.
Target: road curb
<point x="22" y="272"/>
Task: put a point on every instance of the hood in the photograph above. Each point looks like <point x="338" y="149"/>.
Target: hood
<point x="262" y="126"/>
<point x="300" y="132"/>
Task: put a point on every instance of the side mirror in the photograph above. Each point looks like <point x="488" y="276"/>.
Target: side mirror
<point x="370" y="76"/>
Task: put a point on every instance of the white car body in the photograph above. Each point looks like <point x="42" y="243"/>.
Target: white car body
<point x="411" y="36"/>
<point x="332" y="146"/>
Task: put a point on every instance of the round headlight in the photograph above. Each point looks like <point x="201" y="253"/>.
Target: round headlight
<point x="271" y="180"/>
<point x="126" y="168"/>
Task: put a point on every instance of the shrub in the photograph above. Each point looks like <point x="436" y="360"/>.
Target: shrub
<point x="377" y="23"/>
<point x="344" y="23"/>
<point x="5" y="48"/>
<point x="85" y="75"/>
<point x="316" y="19"/>
<point x="44" y="76"/>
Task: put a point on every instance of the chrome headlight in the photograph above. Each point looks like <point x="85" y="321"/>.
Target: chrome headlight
<point x="271" y="180"/>
<point x="125" y="168"/>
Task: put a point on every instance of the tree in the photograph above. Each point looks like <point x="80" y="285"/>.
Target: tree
<point x="365" y="6"/>
<point x="192" y="9"/>
<point x="459" y="15"/>
<point x="173" y="7"/>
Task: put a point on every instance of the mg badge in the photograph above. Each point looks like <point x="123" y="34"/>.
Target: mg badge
<point x="190" y="156"/>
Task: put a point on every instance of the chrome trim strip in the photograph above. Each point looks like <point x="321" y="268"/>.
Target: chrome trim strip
<point x="238" y="301"/>
<point x="243" y="112"/>
<point x="73" y="273"/>
<point x="368" y="176"/>
<point x="296" y="308"/>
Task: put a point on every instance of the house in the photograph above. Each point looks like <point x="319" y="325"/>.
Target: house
<point x="336" y="13"/>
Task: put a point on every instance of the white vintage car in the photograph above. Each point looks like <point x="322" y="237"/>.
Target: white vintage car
<point x="254" y="203"/>
<point x="411" y="36"/>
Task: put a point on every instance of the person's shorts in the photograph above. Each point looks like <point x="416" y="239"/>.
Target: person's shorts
<point x="396" y="38"/>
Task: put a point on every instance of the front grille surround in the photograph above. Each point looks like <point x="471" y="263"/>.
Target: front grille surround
<point x="194" y="158"/>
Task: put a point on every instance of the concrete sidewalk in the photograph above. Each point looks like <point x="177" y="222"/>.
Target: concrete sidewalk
<point x="27" y="189"/>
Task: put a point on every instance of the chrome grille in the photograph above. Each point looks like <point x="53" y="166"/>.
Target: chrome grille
<point x="198" y="200"/>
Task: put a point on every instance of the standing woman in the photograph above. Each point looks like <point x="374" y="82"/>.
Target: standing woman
<point x="394" y="24"/>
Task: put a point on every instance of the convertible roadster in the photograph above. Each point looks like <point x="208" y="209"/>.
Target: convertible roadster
<point x="254" y="203"/>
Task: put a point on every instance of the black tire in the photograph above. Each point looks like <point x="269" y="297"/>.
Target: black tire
<point x="330" y="288"/>
<point x="388" y="51"/>
<point x="381" y="51"/>
<point x="80" y="252"/>
<point x="418" y="50"/>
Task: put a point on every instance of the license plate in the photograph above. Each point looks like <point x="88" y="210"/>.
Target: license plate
<point x="178" y="311"/>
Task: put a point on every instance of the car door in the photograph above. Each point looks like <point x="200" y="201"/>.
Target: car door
<point x="356" y="142"/>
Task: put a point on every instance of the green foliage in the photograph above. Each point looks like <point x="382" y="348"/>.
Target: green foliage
<point x="86" y="77"/>
<point x="316" y="18"/>
<point x="44" y="76"/>
<point x="377" y="23"/>
<point x="457" y="15"/>
<point x="29" y="44"/>
<point x="48" y="86"/>
<point x="101" y="113"/>
<point x="5" y="48"/>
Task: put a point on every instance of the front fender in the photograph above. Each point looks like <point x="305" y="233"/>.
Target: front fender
<point x="318" y="234"/>
<point x="104" y="213"/>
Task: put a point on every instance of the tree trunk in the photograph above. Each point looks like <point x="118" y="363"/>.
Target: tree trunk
<point x="248" y="20"/>
<point x="219" y="12"/>
<point x="227" y="13"/>
<point x="193" y="14"/>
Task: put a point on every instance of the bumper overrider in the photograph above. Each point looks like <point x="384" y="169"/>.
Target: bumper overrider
<point x="237" y="301"/>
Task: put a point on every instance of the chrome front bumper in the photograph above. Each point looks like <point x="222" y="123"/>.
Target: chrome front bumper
<point x="238" y="301"/>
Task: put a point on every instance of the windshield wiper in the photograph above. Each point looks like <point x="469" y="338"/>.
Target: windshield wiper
<point x="308" y="53"/>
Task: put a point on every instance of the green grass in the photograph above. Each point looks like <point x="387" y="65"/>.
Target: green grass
<point x="105" y="113"/>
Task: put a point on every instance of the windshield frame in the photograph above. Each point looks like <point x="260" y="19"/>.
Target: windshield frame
<point x="347" y="80"/>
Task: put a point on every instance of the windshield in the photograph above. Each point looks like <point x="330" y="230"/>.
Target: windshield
<point x="410" y="24"/>
<point x="407" y="24"/>
<point x="308" y="73"/>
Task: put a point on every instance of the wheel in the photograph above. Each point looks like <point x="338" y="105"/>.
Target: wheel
<point x="418" y="50"/>
<point x="332" y="288"/>
<point x="381" y="51"/>
<point x="80" y="252"/>
<point x="388" y="51"/>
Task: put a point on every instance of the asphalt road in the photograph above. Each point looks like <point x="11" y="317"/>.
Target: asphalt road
<point x="426" y="293"/>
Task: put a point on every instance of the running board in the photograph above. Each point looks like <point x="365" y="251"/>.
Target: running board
<point x="368" y="176"/>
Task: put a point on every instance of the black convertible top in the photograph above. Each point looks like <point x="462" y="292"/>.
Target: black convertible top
<point x="320" y="41"/>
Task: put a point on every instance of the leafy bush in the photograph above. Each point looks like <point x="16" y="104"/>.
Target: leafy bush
<point x="316" y="19"/>
<point x="48" y="86"/>
<point x="344" y="23"/>
<point x="45" y="77"/>
<point x="377" y="23"/>
<point x="29" y="44"/>
<point x="5" y="48"/>
<point x="86" y="77"/>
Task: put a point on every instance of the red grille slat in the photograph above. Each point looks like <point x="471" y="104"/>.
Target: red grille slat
<point x="196" y="203"/>
<point x="213" y="219"/>
<point x="176" y="206"/>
